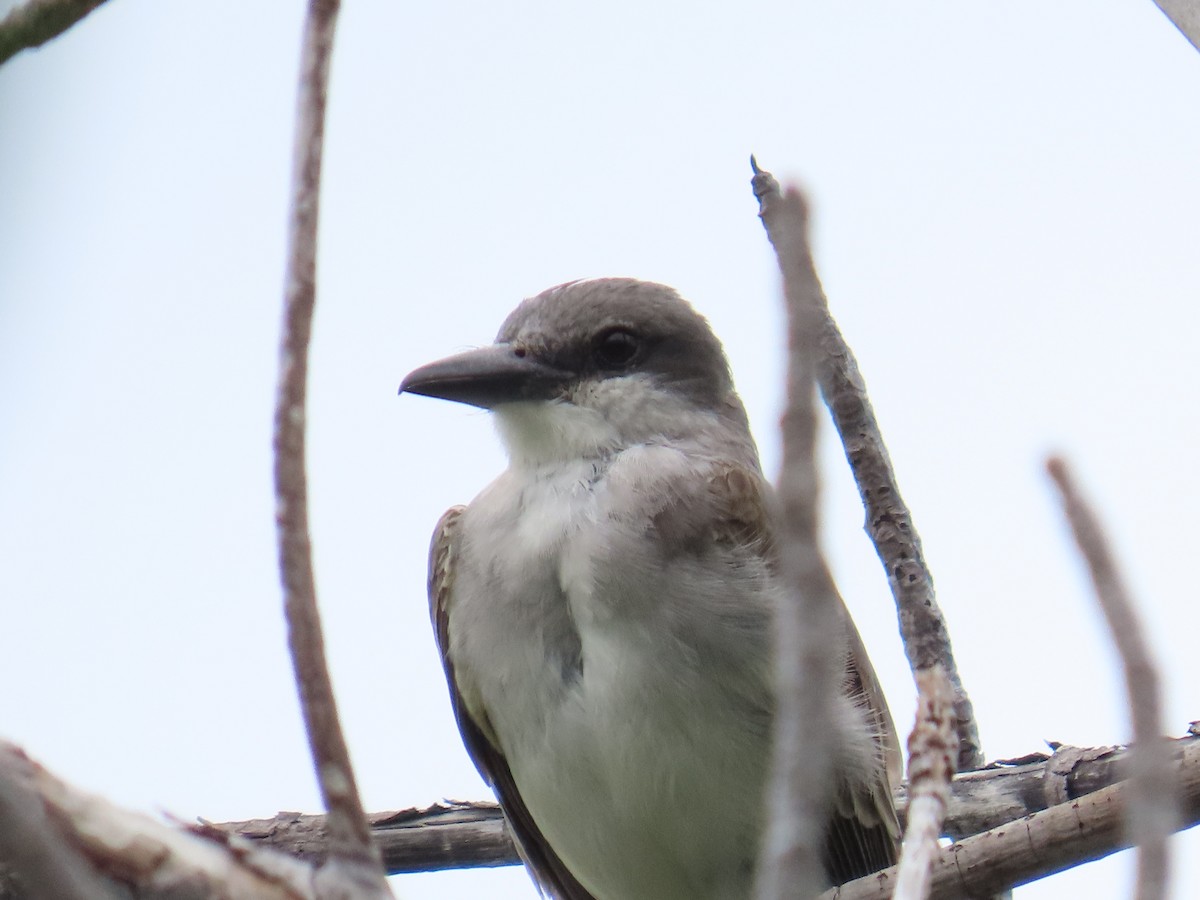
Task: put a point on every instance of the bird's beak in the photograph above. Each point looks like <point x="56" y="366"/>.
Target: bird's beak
<point x="487" y="377"/>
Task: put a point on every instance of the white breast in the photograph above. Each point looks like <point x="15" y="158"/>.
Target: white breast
<point x="650" y="751"/>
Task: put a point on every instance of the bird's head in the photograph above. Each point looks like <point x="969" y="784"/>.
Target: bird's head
<point x="592" y="367"/>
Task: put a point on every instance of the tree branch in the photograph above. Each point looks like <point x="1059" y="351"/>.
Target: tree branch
<point x="931" y="752"/>
<point x="1151" y="791"/>
<point x="1039" y="845"/>
<point x="352" y="853"/>
<point x="806" y="672"/>
<point x="38" y="21"/>
<point x="888" y="520"/>
<point x="1184" y="15"/>
<point x="92" y="849"/>
<point x="40" y="866"/>
<point x="234" y="859"/>
<point x="461" y="835"/>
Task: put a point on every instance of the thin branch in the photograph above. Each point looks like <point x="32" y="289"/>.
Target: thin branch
<point x="1152" y="804"/>
<point x="454" y="835"/>
<point x="932" y="748"/>
<point x="351" y="849"/>
<point x="1184" y="15"/>
<point x="38" y="21"/>
<point x="888" y="520"/>
<point x="806" y="671"/>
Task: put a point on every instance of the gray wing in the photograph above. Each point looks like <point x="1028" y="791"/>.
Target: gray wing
<point x="549" y="872"/>
<point x="864" y="833"/>
<point x="735" y="506"/>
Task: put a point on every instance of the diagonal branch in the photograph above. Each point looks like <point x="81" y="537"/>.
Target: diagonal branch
<point x="1153" y="807"/>
<point x="888" y="521"/>
<point x="38" y="21"/>
<point x="92" y="849"/>
<point x="350" y="845"/>
<point x="1184" y="15"/>
<point x="40" y="866"/>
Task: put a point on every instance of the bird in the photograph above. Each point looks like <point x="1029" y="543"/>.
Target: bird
<point x="603" y="609"/>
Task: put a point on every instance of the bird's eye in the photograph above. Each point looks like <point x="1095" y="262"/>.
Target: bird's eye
<point x="616" y="349"/>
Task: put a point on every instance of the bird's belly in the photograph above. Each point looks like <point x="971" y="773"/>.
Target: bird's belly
<point x="649" y="784"/>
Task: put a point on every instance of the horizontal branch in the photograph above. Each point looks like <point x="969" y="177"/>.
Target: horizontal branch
<point x="470" y="835"/>
<point x="1067" y="835"/>
<point x="1082" y="787"/>
<point x="451" y="835"/>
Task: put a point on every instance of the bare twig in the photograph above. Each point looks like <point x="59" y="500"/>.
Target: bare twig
<point x="888" y="520"/>
<point x="1152" y="803"/>
<point x="38" y="21"/>
<point x="1034" y="847"/>
<point x="932" y="748"/>
<point x="350" y="845"/>
<point x="1185" y="15"/>
<point x="806" y="672"/>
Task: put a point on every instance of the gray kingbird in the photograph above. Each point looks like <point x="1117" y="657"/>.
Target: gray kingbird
<point x="604" y="608"/>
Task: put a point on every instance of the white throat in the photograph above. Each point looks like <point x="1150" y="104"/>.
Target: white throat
<point x="538" y="432"/>
<point x="599" y="418"/>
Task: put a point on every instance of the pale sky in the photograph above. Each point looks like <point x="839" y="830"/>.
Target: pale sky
<point x="1006" y="201"/>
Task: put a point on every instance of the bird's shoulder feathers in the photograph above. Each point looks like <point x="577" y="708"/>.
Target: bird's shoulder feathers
<point x="728" y="505"/>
